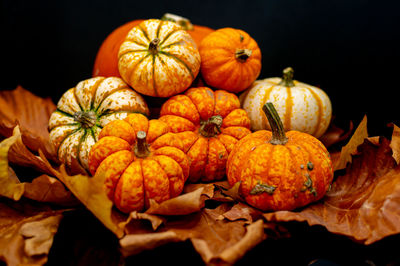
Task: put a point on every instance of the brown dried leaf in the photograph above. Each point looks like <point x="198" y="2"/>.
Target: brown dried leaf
<point x="26" y="232"/>
<point x="395" y="143"/>
<point x="351" y="147"/>
<point x="217" y="241"/>
<point x="363" y="204"/>
<point x="31" y="113"/>
<point x="335" y="134"/>
<point x="242" y="211"/>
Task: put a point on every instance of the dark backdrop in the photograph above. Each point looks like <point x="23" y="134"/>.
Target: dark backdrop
<point x="348" y="48"/>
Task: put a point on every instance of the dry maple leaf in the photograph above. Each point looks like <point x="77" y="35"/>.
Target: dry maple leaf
<point x="26" y="232"/>
<point x="364" y="203"/>
<point x="31" y="113"/>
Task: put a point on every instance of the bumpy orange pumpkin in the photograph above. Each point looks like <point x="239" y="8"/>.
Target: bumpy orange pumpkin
<point x="230" y="59"/>
<point x="83" y="111"/>
<point x="158" y="58"/>
<point x="209" y="123"/>
<point x="106" y="63"/>
<point x="280" y="171"/>
<point x="141" y="160"/>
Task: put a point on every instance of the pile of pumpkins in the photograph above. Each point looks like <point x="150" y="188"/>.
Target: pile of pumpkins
<point x="204" y="131"/>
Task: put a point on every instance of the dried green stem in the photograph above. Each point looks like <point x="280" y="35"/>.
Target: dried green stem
<point x="181" y="21"/>
<point x="211" y="127"/>
<point x="287" y="78"/>
<point x="243" y="54"/>
<point x="141" y="148"/>
<point x="278" y="132"/>
<point x="154" y="46"/>
<point x="86" y="119"/>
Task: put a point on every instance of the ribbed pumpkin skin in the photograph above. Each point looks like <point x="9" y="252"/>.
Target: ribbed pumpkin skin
<point x="132" y="181"/>
<point x="107" y="98"/>
<point x="287" y="167"/>
<point x="302" y="107"/>
<point x="185" y="114"/>
<point x="220" y="66"/>
<point x="163" y="71"/>
<point x="106" y="62"/>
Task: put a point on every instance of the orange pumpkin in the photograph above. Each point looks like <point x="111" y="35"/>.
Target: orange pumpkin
<point x="280" y="171"/>
<point x="209" y="123"/>
<point x="141" y="161"/>
<point x="106" y="63"/>
<point x="230" y="59"/>
<point x="158" y="58"/>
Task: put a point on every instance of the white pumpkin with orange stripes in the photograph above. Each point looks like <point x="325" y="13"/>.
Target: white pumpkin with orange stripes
<point x="302" y="107"/>
<point x="158" y="58"/>
<point x="83" y="111"/>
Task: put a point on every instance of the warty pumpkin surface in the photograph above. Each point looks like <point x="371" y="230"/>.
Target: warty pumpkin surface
<point x="141" y="161"/>
<point x="279" y="171"/>
<point x="158" y="58"/>
<point x="83" y="111"/>
<point x="209" y="123"/>
<point x="230" y="59"/>
<point x="302" y="107"/>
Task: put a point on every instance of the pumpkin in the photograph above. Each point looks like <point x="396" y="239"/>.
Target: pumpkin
<point x="140" y="160"/>
<point x="106" y="63"/>
<point x="83" y="111"/>
<point x="279" y="171"/>
<point x="209" y="123"/>
<point x="301" y="107"/>
<point x="158" y="58"/>
<point x="230" y="59"/>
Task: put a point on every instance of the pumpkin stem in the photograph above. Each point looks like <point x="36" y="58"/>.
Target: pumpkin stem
<point x="211" y="127"/>
<point x="141" y="148"/>
<point x="278" y="132"/>
<point x="181" y="21"/>
<point x="153" y="46"/>
<point x="86" y="119"/>
<point x="287" y="79"/>
<point x="243" y="54"/>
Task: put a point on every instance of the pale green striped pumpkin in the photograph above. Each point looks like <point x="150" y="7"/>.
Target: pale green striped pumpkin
<point x="83" y="111"/>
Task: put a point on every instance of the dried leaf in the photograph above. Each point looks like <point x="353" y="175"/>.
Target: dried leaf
<point x="31" y="113"/>
<point x="242" y="211"/>
<point x="217" y="241"/>
<point x="26" y="232"/>
<point x="395" y="143"/>
<point x="335" y="134"/>
<point x="363" y="204"/>
<point x="351" y="147"/>
<point x="10" y="187"/>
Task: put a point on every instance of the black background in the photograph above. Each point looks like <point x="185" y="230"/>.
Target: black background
<point x="348" y="48"/>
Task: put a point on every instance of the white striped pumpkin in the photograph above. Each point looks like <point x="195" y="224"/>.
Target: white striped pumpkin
<point x="158" y="58"/>
<point x="83" y="111"/>
<point x="302" y="107"/>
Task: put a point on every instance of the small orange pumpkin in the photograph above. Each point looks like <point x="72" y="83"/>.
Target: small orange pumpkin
<point x="106" y="63"/>
<point x="209" y="123"/>
<point x="280" y="171"/>
<point x="141" y="161"/>
<point x="158" y="58"/>
<point x="230" y="59"/>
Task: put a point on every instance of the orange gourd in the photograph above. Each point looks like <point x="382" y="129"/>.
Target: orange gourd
<point x="230" y="59"/>
<point x="279" y="171"/>
<point x="141" y="161"/>
<point x="106" y="62"/>
<point x="209" y="123"/>
<point x="158" y="58"/>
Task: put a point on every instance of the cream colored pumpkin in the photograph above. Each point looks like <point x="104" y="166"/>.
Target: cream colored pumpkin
<point x="158" y="58"/>
<point x="302" y="107"/>
<point x="83" y="111"/>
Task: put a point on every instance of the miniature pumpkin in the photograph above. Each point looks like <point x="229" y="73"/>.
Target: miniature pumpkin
<point x="209" y="123"/>
<point x="83" y="111"/>
<point x="301" y="107"/>
<point x="141" y="161"/>
<point x="279" y="171"/>
<point x="158" y="58"/>
<point x="106" y="63"/>
<point x="230" y="59"/>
